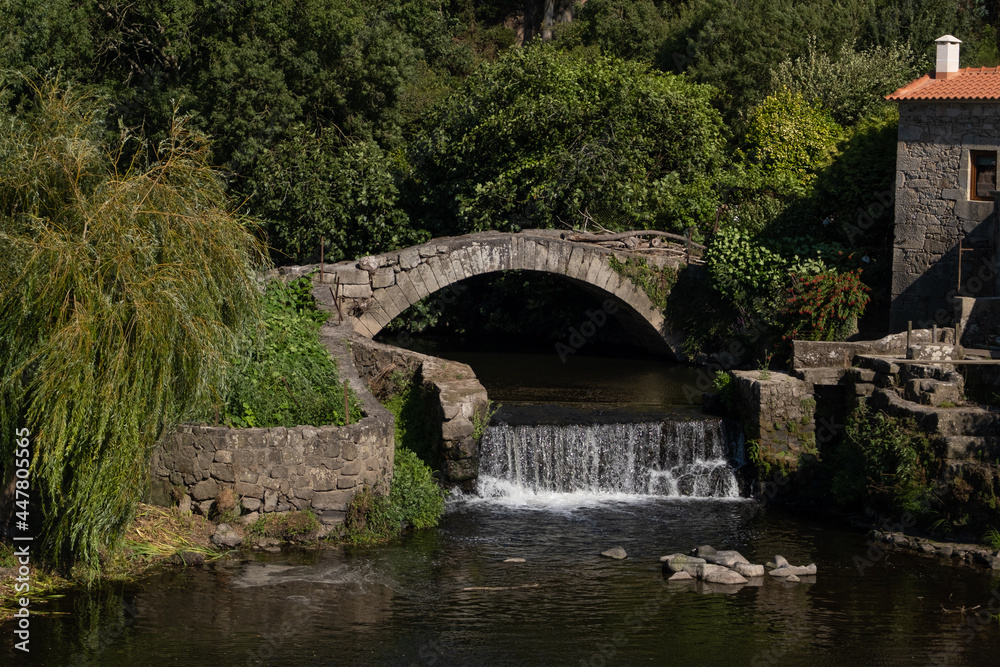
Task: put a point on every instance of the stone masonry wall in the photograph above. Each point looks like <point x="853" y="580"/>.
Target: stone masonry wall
<point x="457" y="393"/>
<point x="934" y="211"/>
<point x="778" y="411"/>
<point x="276" y="469"/>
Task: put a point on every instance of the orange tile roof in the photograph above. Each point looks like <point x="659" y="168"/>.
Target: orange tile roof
<point x="969" y="83"/>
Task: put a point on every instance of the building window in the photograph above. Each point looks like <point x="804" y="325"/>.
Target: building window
<point x="984" y="175"/>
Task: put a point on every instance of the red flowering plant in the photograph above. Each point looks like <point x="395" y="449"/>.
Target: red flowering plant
<point x="824" y="306"/>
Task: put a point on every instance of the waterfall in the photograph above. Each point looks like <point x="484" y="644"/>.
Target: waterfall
<point x="660" y="458"/>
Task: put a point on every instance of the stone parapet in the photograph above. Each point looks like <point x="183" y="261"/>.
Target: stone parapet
<point x="457" y="397"/>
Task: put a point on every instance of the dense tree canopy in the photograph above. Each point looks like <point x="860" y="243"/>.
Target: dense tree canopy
<point x="541" y="138"/>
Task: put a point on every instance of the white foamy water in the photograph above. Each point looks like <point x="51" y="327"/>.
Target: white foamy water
<point x="585" y="464"/>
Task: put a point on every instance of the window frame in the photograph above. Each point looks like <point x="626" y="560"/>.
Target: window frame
<point x="974" y="173"/>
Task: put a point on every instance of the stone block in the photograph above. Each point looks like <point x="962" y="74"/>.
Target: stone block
<point x="248" y="490"/>
<point x="251" y="504"/>
<point x="456" y="429"/>
<point x="383" y="278"/>
<point x="346" y="483"/>
<point x="352" y="277"/>
<point x="356" y="291"/>
<point x="205" y="490"/>
<point x="223" y="456"/>
<point x="270" y="500"/>
<point x="352" y="468"/>
<point x="223" y="472"/>
<point x="409" y="258"/>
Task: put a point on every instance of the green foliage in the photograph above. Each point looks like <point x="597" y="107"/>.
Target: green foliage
<point x="734" y="45"/>
<point x="416" y="429"/>
<point x="992" y="538"/>
<point x="481" y="420"/>
<point x="315" y="187"/>
<point x="630" y="29"/>
<point x="656" y="282"/>
<point x="824" y="306"/>
<point x="285" y="376"/>
<point x="370" y="519"/>
<point x="744" y="271"/>
<point x="789" y="140"/>
<point x="541" y="136"/>
<point x="881" y="463"/>
<point x="416" y="499"/>
<point x="724" y="386"/>
<point x="122" y="292"/>
<point x="288" y="526"/>
<point x="852" y="84"/>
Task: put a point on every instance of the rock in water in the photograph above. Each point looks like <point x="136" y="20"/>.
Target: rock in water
<point x="226" y="536"/>
<point x="792" y="579"/>
<point x="727" y="558"/>
<point x="617" y="553"/>
<point x="724" y="576"/>
<point x="749" y="570"/>
<point x="703" y="551"/>
<point x="682" y="563"/>
<point x="514" y="560"/>
<point x="680" y="576"/>
<point x="779" y="561"/>
<point x="798" y="570"/>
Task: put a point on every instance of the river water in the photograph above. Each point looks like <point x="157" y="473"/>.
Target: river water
<point x="444" y="596"/>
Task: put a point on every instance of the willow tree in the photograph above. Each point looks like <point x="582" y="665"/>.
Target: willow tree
<point x="122" y="289"/>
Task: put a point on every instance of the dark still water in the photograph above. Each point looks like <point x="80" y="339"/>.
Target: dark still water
<point x="443" y="597"/>
<point x="594" y="382"/>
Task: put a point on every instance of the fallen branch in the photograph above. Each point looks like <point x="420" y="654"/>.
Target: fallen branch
<point x="597" y="238"/>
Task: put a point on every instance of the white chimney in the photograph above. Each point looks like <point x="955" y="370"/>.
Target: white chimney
<point x="947" y="57"/>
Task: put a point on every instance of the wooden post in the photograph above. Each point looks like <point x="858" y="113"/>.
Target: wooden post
<point x="687" y="247"/>
<point x="958" y="290"/>
<point x="347" y="405"/>
<point x="909" y="333"/>
<point x="934" y="333"/>
<point x="321" y="258"/>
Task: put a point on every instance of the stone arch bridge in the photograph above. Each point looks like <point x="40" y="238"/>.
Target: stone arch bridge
<point x="370" y="292"/>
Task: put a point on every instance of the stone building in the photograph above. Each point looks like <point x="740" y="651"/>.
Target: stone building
<point x="946" y="160"/>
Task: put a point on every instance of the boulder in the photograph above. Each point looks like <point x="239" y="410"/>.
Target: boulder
<point x="702" y="551"/>
<point x="749" y="570"/>
<point x="726" y="558"/>
<point x="778" y="562"/>
<point x="514" y="560"/>
<point x="792" y="579"/>
<point x="799" y="570"/>
<point x="705" y="569"/>
<point x="682" y="563"/>
<point x="226" y="536"/>
<point x="724" y="575"/>
<point x="680" y="576"/>
<point x="615" y="552"/>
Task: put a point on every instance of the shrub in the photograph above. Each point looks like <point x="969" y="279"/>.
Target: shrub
<point x="415" y="498"/>
<point x="824" y="306"/>
<point x="881" y="463"/>
<point x="286" y="377"/>
<point x="789" y="139"/>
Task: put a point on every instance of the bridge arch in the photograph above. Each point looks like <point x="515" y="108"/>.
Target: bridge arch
<point x="371" y="292"/>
